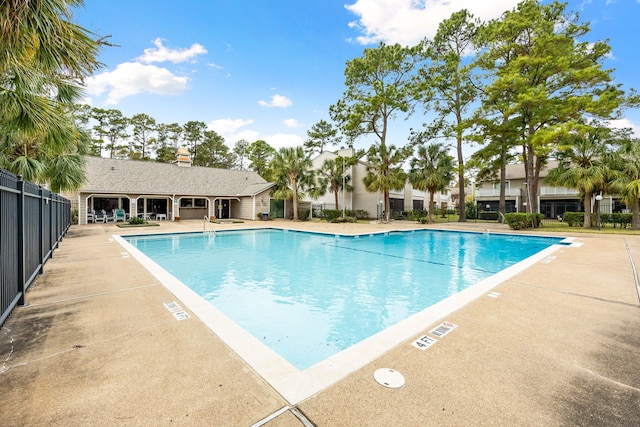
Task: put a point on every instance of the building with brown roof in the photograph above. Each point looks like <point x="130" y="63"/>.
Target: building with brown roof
<point x="170" y="191"/>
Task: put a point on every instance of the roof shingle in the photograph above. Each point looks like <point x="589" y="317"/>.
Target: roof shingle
<point x="140" y="177"/>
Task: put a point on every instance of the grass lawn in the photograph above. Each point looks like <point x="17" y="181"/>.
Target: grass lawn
<point x="553" y="226"/>
<point x="547" y="226"/>
<point x="564" y="227"/>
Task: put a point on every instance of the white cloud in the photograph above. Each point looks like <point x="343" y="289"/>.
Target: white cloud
<point x="233" y="130"/>
<point x="130" y="78"/>
<point x="582" y="5"/>
<point x="626" y="124"/>
<point x="228" y="126"/>
<point x="280" y="140"/>
<point x="409" y="21"/>
<point x="86" y="100"/>
<point x="228" y="129"/>
<point x="277" y="101"/>
<point x="162" y="54"/>
<point x="248" y="135"/>
<point x="291" y="123"/>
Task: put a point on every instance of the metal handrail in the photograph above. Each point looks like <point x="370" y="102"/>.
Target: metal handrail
<point x="204" y="225"/>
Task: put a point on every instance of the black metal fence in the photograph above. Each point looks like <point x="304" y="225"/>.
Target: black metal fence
<point x="32" y="222"/>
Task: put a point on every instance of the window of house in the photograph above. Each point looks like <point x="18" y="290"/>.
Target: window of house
<point x="507" y="185"/>
<point x="191" y="202"/>
<point x="105" y="203"/>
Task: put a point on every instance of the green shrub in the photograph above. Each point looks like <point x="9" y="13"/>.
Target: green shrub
<point x="624" y="220"/>
<point x="521" y="221"/>
<point x="614" y="219"/>
<point x="335" y="215"/>
<point x="361" y="214"/>
<point x="416" y="214"/>
<point x="411" y="215"/>
<point x="331" y="214"/>
<point x="397" y="215"/>
<point x="303" y="214"/>
<point x="573" y="219"/>
<point x="470" y="210"/>
<point x="621" y="219"/>
<point x="134" y="220"/>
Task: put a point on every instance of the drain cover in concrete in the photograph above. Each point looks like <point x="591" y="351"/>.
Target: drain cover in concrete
<point x="389" y="378"/>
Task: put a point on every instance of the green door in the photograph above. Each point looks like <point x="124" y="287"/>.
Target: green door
<point x="276" y="208"/>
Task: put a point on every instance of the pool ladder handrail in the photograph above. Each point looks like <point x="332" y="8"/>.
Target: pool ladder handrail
<point x="204" y="225"/>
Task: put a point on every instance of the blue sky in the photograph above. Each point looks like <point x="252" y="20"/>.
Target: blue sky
<point x="269" y="70"/>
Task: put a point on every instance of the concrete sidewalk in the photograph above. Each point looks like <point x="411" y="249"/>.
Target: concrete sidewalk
<point x="560" y="345"/>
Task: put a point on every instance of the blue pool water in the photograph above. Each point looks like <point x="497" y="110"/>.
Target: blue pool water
<point x="309" y="296"/>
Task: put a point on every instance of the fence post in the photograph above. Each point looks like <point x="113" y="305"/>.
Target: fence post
<point x="52" y="226"/>
<point x="41" y="251"/>
<point x="21" y="248"/>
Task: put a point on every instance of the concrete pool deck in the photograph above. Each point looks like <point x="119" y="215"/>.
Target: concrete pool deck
<point x="559" y="345"/>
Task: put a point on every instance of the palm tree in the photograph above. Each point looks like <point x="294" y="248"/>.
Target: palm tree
<point x="43" y="59"/>
<point x="583" y="166"/>
<point x="293" y="172"/>
<point x="332" y="175"/>
<point x="628" y="181"/>
<point x="431" y="170"/>
<point x="384" y="172"/>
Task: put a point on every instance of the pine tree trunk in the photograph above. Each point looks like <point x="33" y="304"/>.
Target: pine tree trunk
<point x="503" y="180"/>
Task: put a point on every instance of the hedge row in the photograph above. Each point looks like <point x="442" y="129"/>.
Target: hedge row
<point x="520" y="221"/>
<point x="615" y="219"/>
<point x="335" y="215"/>
<point x="421" y="215"/>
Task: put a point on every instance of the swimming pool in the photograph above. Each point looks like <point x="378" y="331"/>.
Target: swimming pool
<point x="309" y="296"/>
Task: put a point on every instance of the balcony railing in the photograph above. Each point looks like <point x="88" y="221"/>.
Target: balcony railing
<point x="495" y="192"/>
<point x="557" y="191"/>
<point x="515" y="192"/>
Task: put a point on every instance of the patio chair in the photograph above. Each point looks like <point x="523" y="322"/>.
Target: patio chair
<point x="99" y="216"/>
<point x="91" y="216"/>
<point x="110" y="217"/>
<point x="120" y="215"/>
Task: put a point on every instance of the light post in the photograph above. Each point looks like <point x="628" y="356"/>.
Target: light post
<point x="598" y="199"/>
